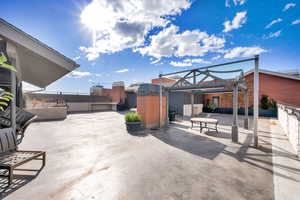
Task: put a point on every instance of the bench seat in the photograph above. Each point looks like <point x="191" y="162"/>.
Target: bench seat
<point x="10" y="157"/>
<point x="205" y="121"/>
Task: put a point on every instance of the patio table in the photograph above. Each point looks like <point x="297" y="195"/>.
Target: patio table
<point x="205" y="121"/>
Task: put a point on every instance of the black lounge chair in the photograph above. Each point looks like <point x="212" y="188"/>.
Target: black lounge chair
<point x="23" y="119"/>
<point x="10" y="157"/>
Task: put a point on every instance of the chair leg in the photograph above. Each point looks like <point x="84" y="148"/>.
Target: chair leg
<point x="10" y="176"/>
<point x="192" y="124"/>
<point x="200" y="127"/>
<point x="44" y="159"/>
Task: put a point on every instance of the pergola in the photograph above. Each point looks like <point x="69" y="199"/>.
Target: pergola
<point x="238" y="84"/>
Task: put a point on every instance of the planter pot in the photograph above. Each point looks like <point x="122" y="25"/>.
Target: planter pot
<point x="172" y="116"/>
<point x="133" y="126"/>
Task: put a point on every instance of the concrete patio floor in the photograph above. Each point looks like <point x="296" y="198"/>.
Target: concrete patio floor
<point x="91" y="156"/>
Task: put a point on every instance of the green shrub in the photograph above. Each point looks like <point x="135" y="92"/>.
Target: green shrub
<point x="273" y="104"/>
<point x="133" y="117"/>
<point x="266" y="103"/>
<point x="213" y="107"/>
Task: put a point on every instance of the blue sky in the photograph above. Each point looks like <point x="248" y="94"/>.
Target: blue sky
<point x="134" y="40"/>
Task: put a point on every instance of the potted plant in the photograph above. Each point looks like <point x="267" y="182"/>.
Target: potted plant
<point x="133" y="122"/>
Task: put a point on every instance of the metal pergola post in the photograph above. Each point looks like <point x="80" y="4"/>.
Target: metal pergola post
<point x="234" y="128"/>
<point x="246" y="103"/>
<point x="193" y="95"/>
<point x="256" y="100"/>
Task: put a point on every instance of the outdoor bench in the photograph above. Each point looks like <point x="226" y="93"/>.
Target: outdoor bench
<point x="10" y="157"/>
<point x="204" y="121"/>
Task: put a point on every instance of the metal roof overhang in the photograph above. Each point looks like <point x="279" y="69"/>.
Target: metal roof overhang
<point x="37" y="63"/>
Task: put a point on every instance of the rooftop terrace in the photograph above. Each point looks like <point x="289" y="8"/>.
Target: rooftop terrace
<point x="91" y="156"/>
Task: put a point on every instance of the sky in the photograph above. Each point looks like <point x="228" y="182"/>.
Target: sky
<point x="135" y="40"/>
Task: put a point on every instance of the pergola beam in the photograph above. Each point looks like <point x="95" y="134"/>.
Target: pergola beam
<point x="211" y="66"/>
<point x="197" y="87"/>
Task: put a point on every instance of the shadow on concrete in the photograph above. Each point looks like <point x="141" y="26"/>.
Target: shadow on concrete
<point x="195" y="144"/>
<point x="262" y="158"/>
<point x="199" y="145"/>
<point x="218" y="134"/>
<point x="141" y="133"/>
<point x="19" y="181"/>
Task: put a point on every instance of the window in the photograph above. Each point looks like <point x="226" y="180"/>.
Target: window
<point x="216" y="101"/>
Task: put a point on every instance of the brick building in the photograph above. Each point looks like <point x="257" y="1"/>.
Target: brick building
<point x="280" y="87"/>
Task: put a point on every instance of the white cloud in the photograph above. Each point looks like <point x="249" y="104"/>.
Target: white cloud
<point x="196" y="60"/>
<point x="244" y="52"/>
<point x="76" y="58"/>
<point x="273" y="35"/>
<point x="155" y="61"/>
<point x="188" y="62"/>
<point x="98" y="75"/>
<point x="273" y="22"/>
<point x="78" y="74"/>
<point x="122" y="70"/>
<point x="216" y="57"/>
<point x="180" y="64"/>
<point x="169" y="42"/>
<point x="237" y="22"/>
<point x="119" y="24"/>
<point x="236" y="2"/>
<point x="91" y="53"/>
<point x="297" y="21"/>
<point x="288" y="6"/>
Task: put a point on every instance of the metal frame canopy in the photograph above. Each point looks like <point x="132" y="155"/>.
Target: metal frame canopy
<point x="183" y="84"/>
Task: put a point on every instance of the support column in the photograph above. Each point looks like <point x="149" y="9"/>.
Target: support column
<point x="193" y="95"/>
<point x="167" y="107"/>
<point x="160" y="101"/>
<point x="234" y="128"/>
<point x="246" y="103"/>
<point x="256" y="101"/>
<point x="192" y="103"/>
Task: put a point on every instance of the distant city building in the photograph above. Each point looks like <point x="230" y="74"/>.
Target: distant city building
<point x="96" y="90"/>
